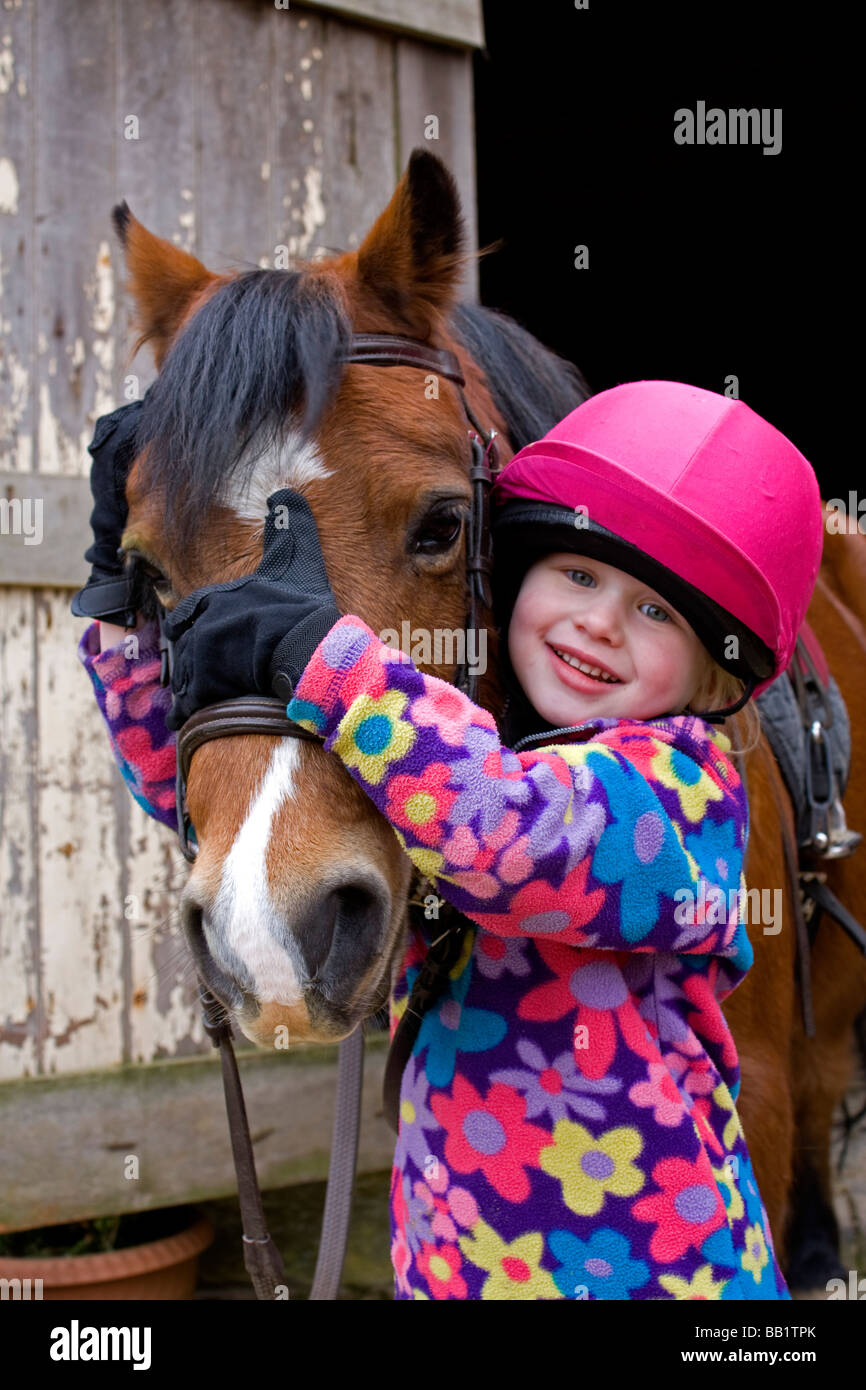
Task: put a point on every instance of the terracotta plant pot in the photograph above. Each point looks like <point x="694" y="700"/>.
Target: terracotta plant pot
<point x="159" y="1269"/>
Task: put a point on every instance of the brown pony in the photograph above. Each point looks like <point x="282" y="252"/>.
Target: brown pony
<point x="295" y="909"/>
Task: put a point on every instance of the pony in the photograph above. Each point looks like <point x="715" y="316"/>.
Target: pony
<point x="295" y="910"/>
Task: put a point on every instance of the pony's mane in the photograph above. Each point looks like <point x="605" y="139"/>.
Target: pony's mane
<point x="532" y="388"/>
<point x="263" y="356"/>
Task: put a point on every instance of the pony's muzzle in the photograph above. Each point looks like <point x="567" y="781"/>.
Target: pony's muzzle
<point x="342" y="935"/>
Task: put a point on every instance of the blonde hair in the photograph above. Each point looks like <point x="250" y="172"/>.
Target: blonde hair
<point x="719" y="688"/>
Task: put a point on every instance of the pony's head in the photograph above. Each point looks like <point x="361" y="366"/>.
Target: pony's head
<point x="296" y="905"/>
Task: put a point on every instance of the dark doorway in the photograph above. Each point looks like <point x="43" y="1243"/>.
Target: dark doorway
<point x="704" y="261"/>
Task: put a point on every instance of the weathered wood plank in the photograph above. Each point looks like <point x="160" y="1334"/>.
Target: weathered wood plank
<point x="17" y="252"/>
<point x="232" y="80"/>
<point x="76" y="132"/>
<point x="450" y="21"/>
<point x="435" y="104"/>
<point x="335" y="148"/>
<point x="156" y="172"/>
<point x="80" y="868"/>
<point x="20" y="942"/>
<point x="20" y="945"/>
<point x="64" y="1141"/>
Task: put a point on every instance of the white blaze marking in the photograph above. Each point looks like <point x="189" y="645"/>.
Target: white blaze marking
<point x="244" y="916"/>
<point x="296" y="462"/>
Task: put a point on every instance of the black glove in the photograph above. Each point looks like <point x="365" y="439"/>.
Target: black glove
<point x="108" y="592"/>
<point x="254" y="634"/>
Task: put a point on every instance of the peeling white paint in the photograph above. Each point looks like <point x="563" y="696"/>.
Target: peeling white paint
<point x="103" y="398"/>
<point x="76" y="352"/>
<point x="187" y="219"/>
<point x="312" y="214"/>
<point x="318" y="54"/>
<point x="16" y="408"/>
<point x="266" y="169"/>
<point x="7" y="65"/>
<point x="54" y="442"/>
<point x="307" y="89"/>
<point x="100" y="290"/>
<point x="306" y="64"/>
<point x="8" y="185"/>
<point x="187" y="194"/>
<point x="307" y="125"/>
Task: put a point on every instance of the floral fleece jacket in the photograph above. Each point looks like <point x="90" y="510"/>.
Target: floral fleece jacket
<point x="568" y="1125"/>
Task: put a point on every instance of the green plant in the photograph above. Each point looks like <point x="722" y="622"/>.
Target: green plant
<point x="96" y="1235"/>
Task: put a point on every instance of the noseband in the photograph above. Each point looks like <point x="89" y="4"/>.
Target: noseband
<point x="262" y="714"/>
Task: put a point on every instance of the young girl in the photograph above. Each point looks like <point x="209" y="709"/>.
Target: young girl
<point x="568" y="1125"/>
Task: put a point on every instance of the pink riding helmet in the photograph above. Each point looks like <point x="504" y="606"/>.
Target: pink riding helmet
<point x="693" y="493"/>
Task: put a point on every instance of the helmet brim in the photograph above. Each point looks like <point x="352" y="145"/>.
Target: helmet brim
<point x="525" y="531"/>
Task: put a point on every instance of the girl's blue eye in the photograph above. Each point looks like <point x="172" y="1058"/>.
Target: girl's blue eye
<point x="665" y="616"/>
<point x="572" y="573"/>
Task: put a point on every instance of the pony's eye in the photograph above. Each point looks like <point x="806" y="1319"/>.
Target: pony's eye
<point x="144" y="570"/>
<point x="438" y="532"/>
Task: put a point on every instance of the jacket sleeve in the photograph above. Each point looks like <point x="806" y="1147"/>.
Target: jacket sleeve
<point x="631" y="841"/>
<point x="132" y="702"/>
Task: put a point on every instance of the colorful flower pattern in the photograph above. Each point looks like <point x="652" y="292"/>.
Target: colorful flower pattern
<point x="568" y="1122"/>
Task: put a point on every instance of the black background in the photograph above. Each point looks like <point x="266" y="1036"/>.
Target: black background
<point x="705" y="261"/>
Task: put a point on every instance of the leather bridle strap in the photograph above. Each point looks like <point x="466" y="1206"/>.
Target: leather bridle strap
<point x="389" y="350"/>
<point x="248" y="714"/>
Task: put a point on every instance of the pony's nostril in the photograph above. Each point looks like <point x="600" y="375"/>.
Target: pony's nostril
<point x="344" y="931"/>
<point x="217" y="981"/>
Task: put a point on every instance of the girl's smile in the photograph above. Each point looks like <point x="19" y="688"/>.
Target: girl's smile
<point x="640" y="657"/>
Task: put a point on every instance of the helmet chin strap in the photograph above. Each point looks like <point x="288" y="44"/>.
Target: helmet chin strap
<point x="718" y="716"/>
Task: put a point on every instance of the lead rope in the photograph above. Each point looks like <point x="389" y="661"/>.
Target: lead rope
<point x="262" y="1259"/>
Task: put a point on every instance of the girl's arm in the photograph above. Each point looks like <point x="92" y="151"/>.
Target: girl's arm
<point x="132" y="702"/>
<point x="632" y="841"/>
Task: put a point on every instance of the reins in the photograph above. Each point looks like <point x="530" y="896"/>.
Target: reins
<point x="257" y="714"/>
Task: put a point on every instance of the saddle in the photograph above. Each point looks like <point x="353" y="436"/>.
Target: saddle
<point x="806" y="723"/>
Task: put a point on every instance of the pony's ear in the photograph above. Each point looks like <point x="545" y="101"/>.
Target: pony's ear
<point x="410" y="260"/>
<point x="163" y="281"/>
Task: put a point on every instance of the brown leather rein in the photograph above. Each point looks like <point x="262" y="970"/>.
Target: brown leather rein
<point x="258" y="714"/>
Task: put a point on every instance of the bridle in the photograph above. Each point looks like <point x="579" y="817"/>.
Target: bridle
<point x="260" y="714"/>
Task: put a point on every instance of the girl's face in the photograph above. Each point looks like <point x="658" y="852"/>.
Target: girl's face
<point x="572" y="608"/>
